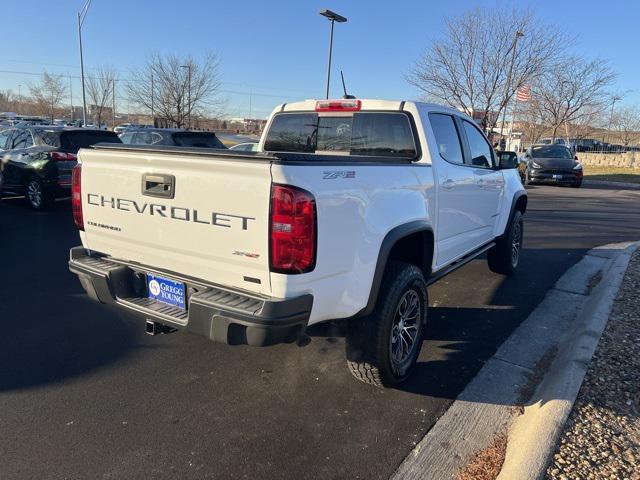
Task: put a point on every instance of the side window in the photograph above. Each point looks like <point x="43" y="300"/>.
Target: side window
<point x="28" y="142"/>
<point x="127" y="137"/>
<point x="478" y="146"/>
<point x="4" y="136"/>
<point x="155" y="138"/>
<point x="144" y="138"/>
<point x="50" y="138"/>
<point x="446" y="133"/>
<point x="20" y="140"/>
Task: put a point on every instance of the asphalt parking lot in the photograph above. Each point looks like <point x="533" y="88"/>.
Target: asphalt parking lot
<point x="84" y="393"/>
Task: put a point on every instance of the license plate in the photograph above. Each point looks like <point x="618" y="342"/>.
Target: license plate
<point x="557" y="177"/>
<point x="166" y="291"/>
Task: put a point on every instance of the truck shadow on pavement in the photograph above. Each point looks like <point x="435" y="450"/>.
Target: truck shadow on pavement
<point x="50" y="330"/>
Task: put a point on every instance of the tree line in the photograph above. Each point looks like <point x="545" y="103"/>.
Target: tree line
<point x="486" y="55"/>
<point x="171" y="88"/>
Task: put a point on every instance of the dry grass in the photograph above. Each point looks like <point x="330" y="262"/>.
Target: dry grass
<point x="486" y="464"/>
<point x="612" y="174"/>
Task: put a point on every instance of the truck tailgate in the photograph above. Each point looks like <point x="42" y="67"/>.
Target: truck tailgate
<point x="204" y="216"/>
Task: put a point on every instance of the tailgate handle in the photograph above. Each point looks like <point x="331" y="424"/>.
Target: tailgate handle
<point x="158" y="185"/>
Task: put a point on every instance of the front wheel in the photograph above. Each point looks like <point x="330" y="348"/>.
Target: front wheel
<point x="382" y="348"/>
<point x="504" y="256"/>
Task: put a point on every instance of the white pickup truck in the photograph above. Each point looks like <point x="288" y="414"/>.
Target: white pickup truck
<point x="349" y="209"/>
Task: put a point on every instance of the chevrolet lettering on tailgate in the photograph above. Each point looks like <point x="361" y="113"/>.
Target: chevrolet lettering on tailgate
<point x="184" y="214"/>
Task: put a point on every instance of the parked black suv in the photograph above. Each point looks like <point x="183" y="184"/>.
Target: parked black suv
<point x="171" y="136"/>
<point x="37" y="161"/>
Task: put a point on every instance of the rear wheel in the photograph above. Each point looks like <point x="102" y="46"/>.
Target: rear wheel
<point x="504" y="256"/>
<point x="37" y="196"/>
<point x="577" y="184"/>
<point x="382" y="348"/>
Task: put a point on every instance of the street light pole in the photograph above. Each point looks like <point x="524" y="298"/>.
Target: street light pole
<point x="81" y="15"/>
<point x="329" y="64"/>
<point x="153" y="115"/>
<point x="507" y="93"/>
<point x="113" y="102"/>
<point x="332" y="17"/>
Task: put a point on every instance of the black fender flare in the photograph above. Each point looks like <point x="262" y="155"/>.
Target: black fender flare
<point x="390" y="239"/>
<point x="514" y="201"/>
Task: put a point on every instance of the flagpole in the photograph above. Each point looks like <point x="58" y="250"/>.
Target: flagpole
<point x="513" y="115"/>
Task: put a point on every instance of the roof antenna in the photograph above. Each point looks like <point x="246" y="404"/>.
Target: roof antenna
<point x="344" y="87"/>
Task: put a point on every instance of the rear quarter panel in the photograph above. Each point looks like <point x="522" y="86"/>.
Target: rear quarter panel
<point x="357" y="205"/>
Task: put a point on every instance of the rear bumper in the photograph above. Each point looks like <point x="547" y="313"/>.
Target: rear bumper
<point x="219" y="313"/>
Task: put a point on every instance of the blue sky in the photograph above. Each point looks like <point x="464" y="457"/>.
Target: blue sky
<point x="276" y="51"/>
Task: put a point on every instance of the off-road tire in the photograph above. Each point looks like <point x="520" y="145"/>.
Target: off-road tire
<point x="500" y="257"/>
<point x="368" y="342"/>
<point x="46" y="198"/>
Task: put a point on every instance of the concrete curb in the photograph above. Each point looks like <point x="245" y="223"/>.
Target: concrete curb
<point x="491" y="402"/>
<point x="533" y="437"/>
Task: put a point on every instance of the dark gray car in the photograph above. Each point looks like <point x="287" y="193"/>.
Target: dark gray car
<point x="550" y="163"/>
<point x="37" y="161"/>
<point x="171" y="136"/>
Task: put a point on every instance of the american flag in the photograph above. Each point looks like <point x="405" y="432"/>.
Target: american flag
<point x="523" y="94"/>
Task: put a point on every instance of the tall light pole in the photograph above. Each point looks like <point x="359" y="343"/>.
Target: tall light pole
<point x="71" y="97"/>
<point x="508" y="90"/>
<point x="332" y="17"/>
<point x="153" y="114"/>
<point x="614" y="99"/>
<point x="113" y="102"/>
<point x="188" y="67"/>
<point x="81" y="15"/>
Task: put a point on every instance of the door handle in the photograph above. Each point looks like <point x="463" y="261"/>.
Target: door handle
<point x="448" y="184"/>
<point x="158" y="185"/>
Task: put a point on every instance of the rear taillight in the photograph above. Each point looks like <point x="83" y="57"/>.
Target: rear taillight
<point x="76" y="196"/>
<point x="293" y="230"/>
<point x="63" y="156"/>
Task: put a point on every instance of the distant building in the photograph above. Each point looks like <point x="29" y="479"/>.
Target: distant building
<point x="248" y="125"/>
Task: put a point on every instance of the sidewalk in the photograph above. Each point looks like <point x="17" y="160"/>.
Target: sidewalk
<point x="601" y="439"/>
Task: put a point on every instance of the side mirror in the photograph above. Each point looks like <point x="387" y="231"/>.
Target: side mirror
<point x="507" y="160"/>
<point x="575" y="157"/>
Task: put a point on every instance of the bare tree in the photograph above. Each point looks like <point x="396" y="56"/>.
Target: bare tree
<point x="531" y="121"/>
<point x="627" y="123"/>
<point x="176" y="88"/>
<point x="100" y="86"/>
<point x="469" y="68"/>
<point x="571" y="91"/>
<point x="49" y="92"/>
<point x="8" y="100"/>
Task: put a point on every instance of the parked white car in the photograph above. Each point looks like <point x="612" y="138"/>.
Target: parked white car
<point x="348" y="211"/>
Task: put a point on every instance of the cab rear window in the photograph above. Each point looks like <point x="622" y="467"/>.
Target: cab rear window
<point x="387" y="134"/>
